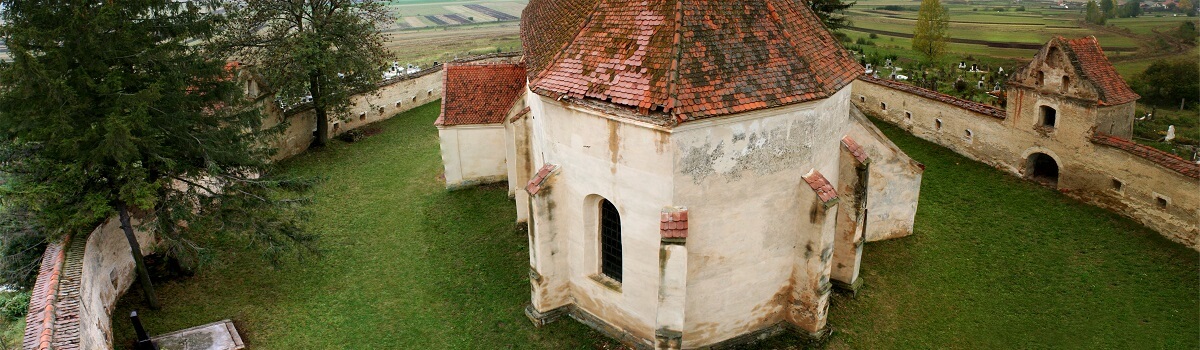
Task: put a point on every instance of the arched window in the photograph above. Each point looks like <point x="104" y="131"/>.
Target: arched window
<point x="610" y="240"/>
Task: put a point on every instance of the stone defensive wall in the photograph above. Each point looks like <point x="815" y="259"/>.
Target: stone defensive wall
<point x="1158" y="189"/>
<point x="77" y="288"/>
<point x="394" y="96"/>
<point x="81" y="278"/>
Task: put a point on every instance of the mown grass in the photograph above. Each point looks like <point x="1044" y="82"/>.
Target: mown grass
<point x="407" y="264"/>
<point x="996" y="262"/>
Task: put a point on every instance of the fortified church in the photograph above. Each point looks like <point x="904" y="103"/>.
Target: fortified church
<point x="692" y="173"/>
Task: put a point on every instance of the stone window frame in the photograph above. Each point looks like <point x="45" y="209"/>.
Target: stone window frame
<point x="593" y="207"/>
<point x="1161" y="201"/>
<point x="937" y="124"/>
<point x="1042" y="122"/>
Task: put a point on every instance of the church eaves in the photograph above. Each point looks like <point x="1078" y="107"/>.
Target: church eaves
<point x="684" y="59"/>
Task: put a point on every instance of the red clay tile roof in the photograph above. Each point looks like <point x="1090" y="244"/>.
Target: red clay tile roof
<point x="1089" y="57"/>
<point x="480" y="93"/>
<point x="988" y="110"/>
<point x="822" y="187"/>
<point x="547" y="26"/>
<point x="39" y="322"/>
<point x="673" y="223"/>
<point x="691" y="59"/>
<point x="859" y="153"/>
<point x="1166" y="160"/>
<point x="522" y="114"/>
<point x="538" y="182"/>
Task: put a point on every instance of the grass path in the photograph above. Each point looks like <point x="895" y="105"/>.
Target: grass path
<point x="996" y="263"/>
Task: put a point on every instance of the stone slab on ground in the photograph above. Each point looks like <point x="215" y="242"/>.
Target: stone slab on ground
<point x="220" y="335"/>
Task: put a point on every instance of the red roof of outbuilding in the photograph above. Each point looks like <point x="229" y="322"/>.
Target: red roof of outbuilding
<point x="480" y="93"/>
<point x="692" y="59"/>
<point x="1090" y="59"/>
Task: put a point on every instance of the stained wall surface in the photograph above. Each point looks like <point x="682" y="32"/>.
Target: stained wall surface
<point x="473" y="154"/>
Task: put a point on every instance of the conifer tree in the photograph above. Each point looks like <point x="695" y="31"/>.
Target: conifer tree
<point x="325" y="50"/>
<point x="831" y="12"/>
<point x="929" y="35"/>
<point x="115" y="108"/>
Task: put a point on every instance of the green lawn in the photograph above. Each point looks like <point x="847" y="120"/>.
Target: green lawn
<point x="995" y="263"/>
<point x="998" y="262"/>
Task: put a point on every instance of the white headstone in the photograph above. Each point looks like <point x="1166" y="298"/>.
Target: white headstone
<point x="1170" y="133"/>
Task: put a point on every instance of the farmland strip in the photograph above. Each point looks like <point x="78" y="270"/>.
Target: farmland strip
<point x="490" y="12"/>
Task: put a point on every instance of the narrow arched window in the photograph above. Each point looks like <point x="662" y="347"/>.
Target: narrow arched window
<point x="610" y="240"/>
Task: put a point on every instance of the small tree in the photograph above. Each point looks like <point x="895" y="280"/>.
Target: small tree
<point x="115" y="107"/>
<point x="929" y="35"/>
<point x="1131" y="9"/>
<point x="1094" y="14"/>
<point x="328" y="50"/>
<point x="1109" y="7"/>
<point x="1167" y="83"/>
<point x="831" y="12"/>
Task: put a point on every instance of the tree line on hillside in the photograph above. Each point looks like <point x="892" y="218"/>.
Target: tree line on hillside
<point x="130" y="109"/>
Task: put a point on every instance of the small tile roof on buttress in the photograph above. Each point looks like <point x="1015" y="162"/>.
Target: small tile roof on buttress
<point x="673" y="223"/>
<point x="1096" y="67"/>
<point x="819" y="184"/>
<point x="683" y="59"/>
<point x="480" y="93"/>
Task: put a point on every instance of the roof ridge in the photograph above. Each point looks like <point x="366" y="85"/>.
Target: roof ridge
<point x="676" y="57"/>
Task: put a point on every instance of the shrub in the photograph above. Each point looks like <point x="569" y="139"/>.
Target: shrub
<point x="874" y="36"/>
<point x="352" y="135"/>
<point x="864" y="42"/>
<point x="1020" y="8"/>
<point x="14" y="306"/>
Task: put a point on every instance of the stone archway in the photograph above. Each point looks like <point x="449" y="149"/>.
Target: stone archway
<point x="1042" y="168"/>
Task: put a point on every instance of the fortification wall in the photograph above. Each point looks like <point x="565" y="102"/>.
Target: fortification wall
<point x="393" y="97"/>
<point x="78" y="286"/>
<point x="1156" y="189"/>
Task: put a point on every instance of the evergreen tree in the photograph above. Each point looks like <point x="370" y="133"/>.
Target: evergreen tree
<point x="115" y="107"/>
<point x="1109" y="7"/>
<point x="328" y="50"/>
<point x="831" y="12"/>
<point x="929" y="35"/>
<point x="1094" y="15"/>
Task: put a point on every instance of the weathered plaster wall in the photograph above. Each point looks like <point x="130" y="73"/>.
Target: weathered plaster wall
<point x="1086" y="169"/>
<point x="628" y="164"/>
<point x="78" y="286"/>
<point x="473" y="154"/>
<point x="894" y="184"/>
<point x="758" y="237"/>
<point x="389" y="100"/>
<point x="108" y="270"/>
